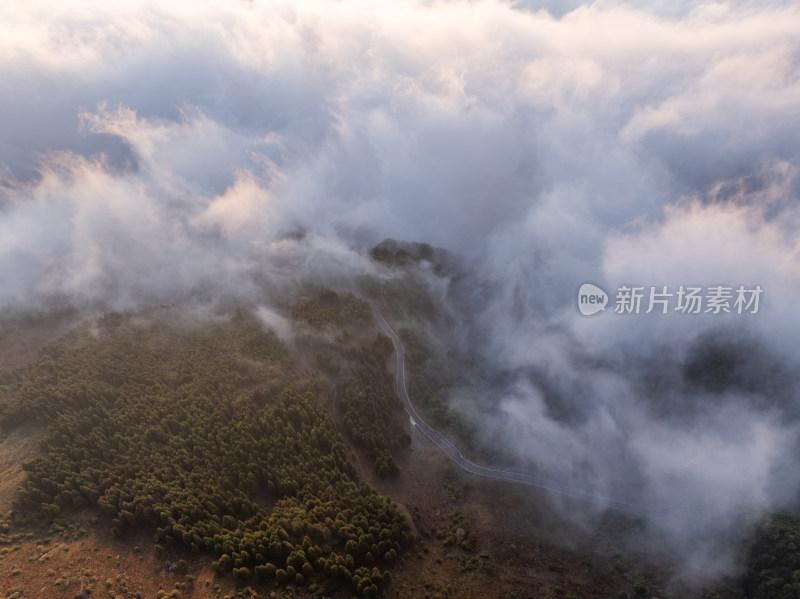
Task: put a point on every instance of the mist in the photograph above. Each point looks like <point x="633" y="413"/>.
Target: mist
<point x="149" y="154"/>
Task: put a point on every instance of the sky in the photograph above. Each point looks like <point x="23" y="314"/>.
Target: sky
<point x="149" y="151"/>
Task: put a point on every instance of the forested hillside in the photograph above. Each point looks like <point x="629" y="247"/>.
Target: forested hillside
<point x="206" y="434"/>
<point x="368" y="405"/>
<point x="202" y="434"/>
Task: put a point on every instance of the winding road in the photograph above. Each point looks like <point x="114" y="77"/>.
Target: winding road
<point x="509" y="474"/>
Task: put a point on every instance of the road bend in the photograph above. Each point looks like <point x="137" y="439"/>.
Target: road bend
<point x="513" y="475"/>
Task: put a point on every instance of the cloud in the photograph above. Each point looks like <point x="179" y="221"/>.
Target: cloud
<point x="151" y="152"/>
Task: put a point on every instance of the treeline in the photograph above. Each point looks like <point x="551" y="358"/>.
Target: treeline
<point x="181" y="429"/>
<point x="326" y="308"/>
<point x="370" y="406"/>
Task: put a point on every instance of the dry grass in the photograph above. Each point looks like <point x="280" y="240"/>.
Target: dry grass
<point x="16" y="448"/>
<point x="53" y="567"/>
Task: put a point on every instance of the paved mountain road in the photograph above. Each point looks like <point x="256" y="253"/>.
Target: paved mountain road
<point x="513" y="475"/>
